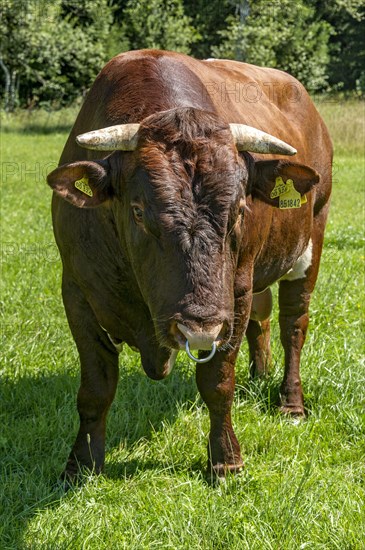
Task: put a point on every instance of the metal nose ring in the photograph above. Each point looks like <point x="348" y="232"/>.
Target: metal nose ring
<point x="196" y="359"/>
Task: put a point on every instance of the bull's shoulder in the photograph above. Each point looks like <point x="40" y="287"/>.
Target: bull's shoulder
<point x="249" y="71"/>
<point x="253" y="84"/>
<point x="269" y="99"/>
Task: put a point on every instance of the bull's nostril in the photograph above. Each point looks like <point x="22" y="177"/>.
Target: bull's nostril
<point x="200" y="335"/>
<point x="200" y="338"/>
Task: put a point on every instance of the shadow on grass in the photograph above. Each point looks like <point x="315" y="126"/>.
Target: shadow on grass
<point x="42" y="409"/>
<point x="129" y="468"/>
<point x="40" y="423"/>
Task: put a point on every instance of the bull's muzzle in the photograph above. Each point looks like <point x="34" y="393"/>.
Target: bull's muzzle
<point x="201" y="340"/>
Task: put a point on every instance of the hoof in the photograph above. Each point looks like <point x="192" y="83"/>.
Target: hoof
<point x="262" y="373"/>
<point x="70" y="480"/>
<point x="219" y="472"/>
<point x="296" y="411"/>
<point x="72" y="471"/>
<point x="62" y="485"/>
<point x="75" y="473"/>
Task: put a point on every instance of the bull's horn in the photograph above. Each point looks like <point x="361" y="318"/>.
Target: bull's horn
<point x="251" y="139"/>
<point x="123" y="137"/>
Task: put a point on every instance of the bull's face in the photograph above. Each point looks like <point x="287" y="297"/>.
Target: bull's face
<point x="180" y="212"/>
<point x="178" y="201"/>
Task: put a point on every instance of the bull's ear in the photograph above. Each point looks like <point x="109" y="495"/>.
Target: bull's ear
<point x="270" y="174"/>
<point x="85" y="184"/>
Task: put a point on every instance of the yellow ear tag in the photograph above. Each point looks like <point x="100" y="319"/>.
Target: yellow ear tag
<point x="279" y="189"/>
<point x="83" y="186"/>
<point x="303" y="199"/>
<point x="291" y="198"/>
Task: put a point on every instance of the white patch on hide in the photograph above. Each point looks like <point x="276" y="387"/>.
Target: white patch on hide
<point x="301" y="265"/>
<point x="261" y="306"/>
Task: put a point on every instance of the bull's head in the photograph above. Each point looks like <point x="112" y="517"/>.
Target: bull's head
<point x="177" y="194"/>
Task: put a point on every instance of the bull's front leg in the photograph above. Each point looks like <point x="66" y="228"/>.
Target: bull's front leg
<point x="99" y="376"/>
<point x="216" y="382"/>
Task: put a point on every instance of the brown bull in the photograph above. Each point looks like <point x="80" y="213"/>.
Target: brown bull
<point x="172" y="240"/>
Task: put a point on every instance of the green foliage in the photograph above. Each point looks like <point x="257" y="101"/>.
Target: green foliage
<point x="284" y="35"/>
<point x="50" y="53"/>
<point x="158" y="24"/>
<point x="346" y="68"/>
<point x="209" y="18"/>
<point x="303" y="484"/>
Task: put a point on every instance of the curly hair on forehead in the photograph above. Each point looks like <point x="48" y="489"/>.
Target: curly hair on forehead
<point x="185" y="124"/>
<point x="193" y="173"/>
<point x="188" y="143"/>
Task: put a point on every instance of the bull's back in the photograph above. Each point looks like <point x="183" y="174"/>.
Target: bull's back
<point x="134" y="85"/>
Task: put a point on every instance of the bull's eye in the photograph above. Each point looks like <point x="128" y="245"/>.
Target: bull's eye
<point x="137" y="213"/>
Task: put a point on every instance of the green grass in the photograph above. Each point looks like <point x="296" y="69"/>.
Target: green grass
<point x="304" y="484"/>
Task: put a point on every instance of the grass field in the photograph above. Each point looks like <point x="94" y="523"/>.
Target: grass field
<point x="304" y="484"/>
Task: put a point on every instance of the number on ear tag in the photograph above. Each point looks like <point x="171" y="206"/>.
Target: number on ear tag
<point x="279" y="189"/>
<point x="83" y="186"/>
<point x="291" y="198"/>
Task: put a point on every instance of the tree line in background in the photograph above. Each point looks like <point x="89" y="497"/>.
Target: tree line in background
<point x="50" y="51"/>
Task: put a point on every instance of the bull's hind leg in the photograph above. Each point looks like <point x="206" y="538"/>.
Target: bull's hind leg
<point x="294" y="297"/>
<point x="99" y="376"/>
<point x="293" y="318"/>
<point x="258" y="337"/>
<point x="258" y="334"/>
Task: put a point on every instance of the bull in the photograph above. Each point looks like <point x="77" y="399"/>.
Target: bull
<point x="175" y="207"/>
